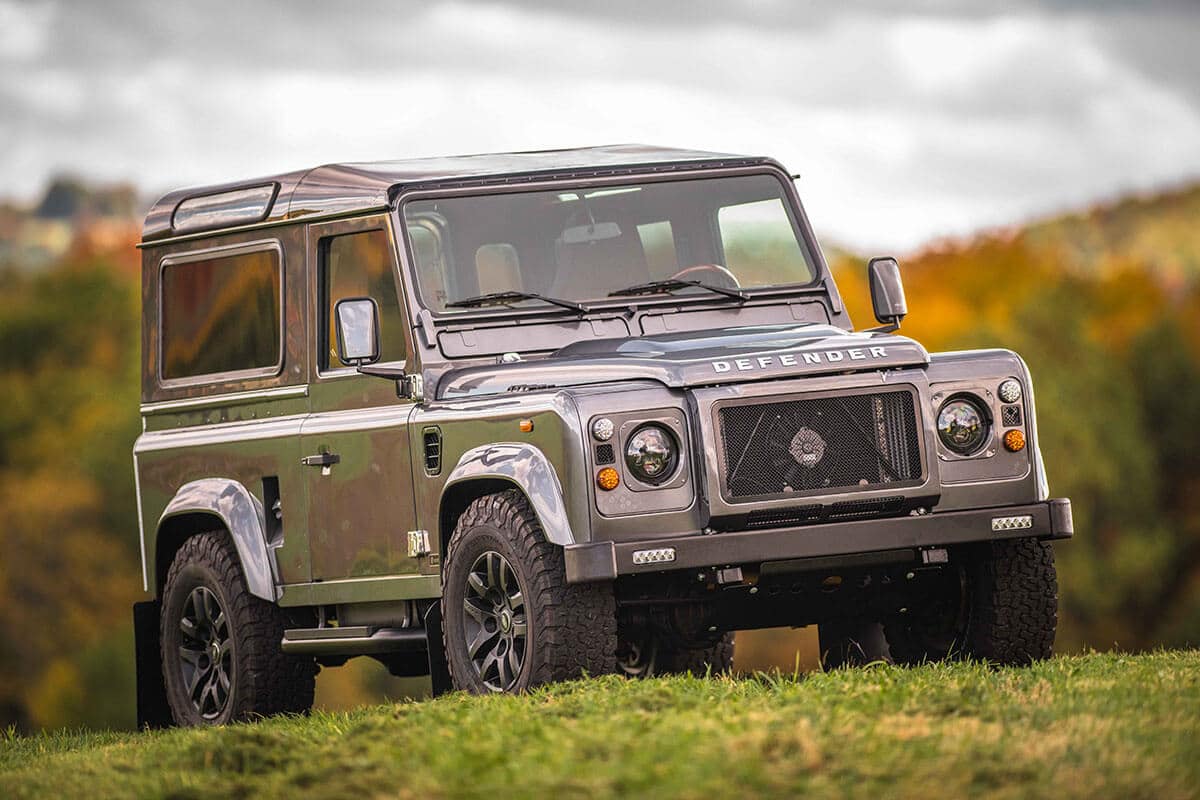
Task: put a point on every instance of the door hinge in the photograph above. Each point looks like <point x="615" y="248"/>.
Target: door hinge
<point x="418" y="544"/>
<point x="411" y="387"/>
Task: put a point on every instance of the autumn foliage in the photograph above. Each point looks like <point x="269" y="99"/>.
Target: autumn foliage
<point x="1104" y="306"/>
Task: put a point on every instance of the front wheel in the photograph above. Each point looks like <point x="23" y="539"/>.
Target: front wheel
<point x="1000" y="606"/>
<point x="510" y="619"/>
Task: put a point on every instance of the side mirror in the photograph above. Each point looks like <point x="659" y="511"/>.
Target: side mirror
<point x="357" y="330"/>
<point x="887" y="291"/>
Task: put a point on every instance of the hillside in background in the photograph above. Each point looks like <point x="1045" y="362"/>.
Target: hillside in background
<point x="1104" y="305"/>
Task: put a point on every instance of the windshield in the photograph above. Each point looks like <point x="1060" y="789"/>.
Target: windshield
<point x="586" y="244"/>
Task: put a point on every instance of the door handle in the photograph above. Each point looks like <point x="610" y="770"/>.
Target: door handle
<point x="321" y="460"/>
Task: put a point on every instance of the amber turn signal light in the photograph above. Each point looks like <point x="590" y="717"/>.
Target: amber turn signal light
<point x="526" y="425"/>
<point x="1014" y="441"/>
<point x="607" y="479"/>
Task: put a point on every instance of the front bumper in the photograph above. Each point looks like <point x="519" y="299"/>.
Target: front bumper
<point x="600" y="561"/>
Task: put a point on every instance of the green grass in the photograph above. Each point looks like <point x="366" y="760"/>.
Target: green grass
<point x="1090" y="727"/>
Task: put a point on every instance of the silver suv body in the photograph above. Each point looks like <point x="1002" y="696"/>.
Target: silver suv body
<point x="504" y="419"/>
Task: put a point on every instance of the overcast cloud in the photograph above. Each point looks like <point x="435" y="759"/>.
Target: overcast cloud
<point x="906" y="124"/>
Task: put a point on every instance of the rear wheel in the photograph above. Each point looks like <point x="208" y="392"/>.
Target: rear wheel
<point x="220" y="644"/>
<point x="852" y="643"/>
<point x="510" y="619"/>
<point x="644" y="654"/>
<point x="1001" y="606"/>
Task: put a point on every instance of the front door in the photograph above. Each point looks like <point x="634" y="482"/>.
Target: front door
<point x="355" y="440"/>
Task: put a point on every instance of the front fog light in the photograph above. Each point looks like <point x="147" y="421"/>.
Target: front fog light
<point x="962" y="425"/>
<point x="1009" y="391"/>
<point x="652" y="454"/>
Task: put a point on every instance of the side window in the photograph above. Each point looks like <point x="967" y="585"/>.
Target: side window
<point x="760" y="245"/>
<point x="222" y="315"/>
<point x="360" y="265"/>
<point x="658" y="243"/>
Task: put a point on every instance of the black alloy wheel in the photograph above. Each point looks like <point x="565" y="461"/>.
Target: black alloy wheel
<point x="494" y="620"/>
<point x="510" y="619"/>
<point x="206" y="653"/>
<point x="221" y="659"/>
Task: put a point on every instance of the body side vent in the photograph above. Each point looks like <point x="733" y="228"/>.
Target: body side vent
<point x="431" y="439"/>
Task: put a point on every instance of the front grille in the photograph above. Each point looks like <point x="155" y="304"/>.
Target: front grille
<point x="814" y="446"/>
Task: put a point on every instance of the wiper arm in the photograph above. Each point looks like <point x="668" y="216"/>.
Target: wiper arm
<point x="674" y="284"/>
<point x="505" y="298"/>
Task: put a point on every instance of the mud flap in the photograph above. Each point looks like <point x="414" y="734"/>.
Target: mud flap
<point x="439" y="669"/>
<point x="152" y="708"/>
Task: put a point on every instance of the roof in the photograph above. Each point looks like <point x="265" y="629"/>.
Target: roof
<point x="345" y="188"/>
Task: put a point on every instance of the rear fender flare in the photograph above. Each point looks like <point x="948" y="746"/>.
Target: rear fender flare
<point x="242" y="515"/>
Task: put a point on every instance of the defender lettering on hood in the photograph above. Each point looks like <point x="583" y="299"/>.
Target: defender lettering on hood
<point x="793" y="359"/>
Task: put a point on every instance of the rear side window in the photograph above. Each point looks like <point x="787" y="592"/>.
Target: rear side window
<point x="222" y="315"/>
<point x="360" y="265"/>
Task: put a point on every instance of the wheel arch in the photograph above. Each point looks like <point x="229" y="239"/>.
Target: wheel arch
<point x="495" y="468"/>
<point x="224" y="504"/>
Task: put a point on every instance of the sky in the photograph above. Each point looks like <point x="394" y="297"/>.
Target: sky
<point x="905" y="122"/>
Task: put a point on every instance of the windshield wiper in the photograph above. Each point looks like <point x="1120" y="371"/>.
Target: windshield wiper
<point x="674" y="284"/>
<point x="505" y="298"/>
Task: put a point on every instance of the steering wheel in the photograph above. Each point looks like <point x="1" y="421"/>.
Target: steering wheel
<point x="726" y="278"/>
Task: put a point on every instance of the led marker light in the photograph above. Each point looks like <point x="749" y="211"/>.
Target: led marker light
<point x="658" y="555"/>
<point x="1009" y="391"/>
<point x="608" y="479"/>
<point x="602" y="429"/>
<point x="1014" y="441"/>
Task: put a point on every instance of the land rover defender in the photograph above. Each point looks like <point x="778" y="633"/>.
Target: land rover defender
<point x="511" y="419"/>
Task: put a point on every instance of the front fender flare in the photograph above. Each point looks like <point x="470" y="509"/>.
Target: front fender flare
<point x="527" y="468"/>
<point x="242" y="514"/>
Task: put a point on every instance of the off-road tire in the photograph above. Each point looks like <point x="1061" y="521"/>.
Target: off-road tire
<point x="714" y="658"/>
<point x="265" y="680"/>
<point x="572" y="628"/>
<point x="1009" y="614"/>
<point x="852" y="644"/>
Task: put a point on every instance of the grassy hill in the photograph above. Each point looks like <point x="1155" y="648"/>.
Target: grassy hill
<point x="1089" y="726"/>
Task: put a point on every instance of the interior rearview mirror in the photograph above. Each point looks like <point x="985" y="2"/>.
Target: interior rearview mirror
<point x="587" y="234"/>
<point x="357" y="330"/>
<point x="887" y="291"/>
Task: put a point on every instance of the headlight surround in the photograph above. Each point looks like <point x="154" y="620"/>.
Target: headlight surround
<point x="963" y="424"/>
<point x="652" y="454"/>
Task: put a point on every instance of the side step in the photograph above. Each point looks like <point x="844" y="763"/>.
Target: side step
<point x="353" y="640"/>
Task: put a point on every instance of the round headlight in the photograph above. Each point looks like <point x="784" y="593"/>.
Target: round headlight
<point x="963" y="425"/>
<point x="652" y="454"/>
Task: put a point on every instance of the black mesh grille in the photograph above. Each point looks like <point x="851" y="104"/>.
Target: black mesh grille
<point x="804" y="515"/>
<point x="604" y="454"/>
<point x="1010" y="415"/>
<point x="820" y="445"/>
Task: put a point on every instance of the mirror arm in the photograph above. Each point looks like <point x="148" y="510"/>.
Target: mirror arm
<point x="382" y="371"/>
<point x="409" y="386"/>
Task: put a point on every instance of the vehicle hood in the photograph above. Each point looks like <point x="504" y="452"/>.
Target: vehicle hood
<point x="694" y="358"/>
